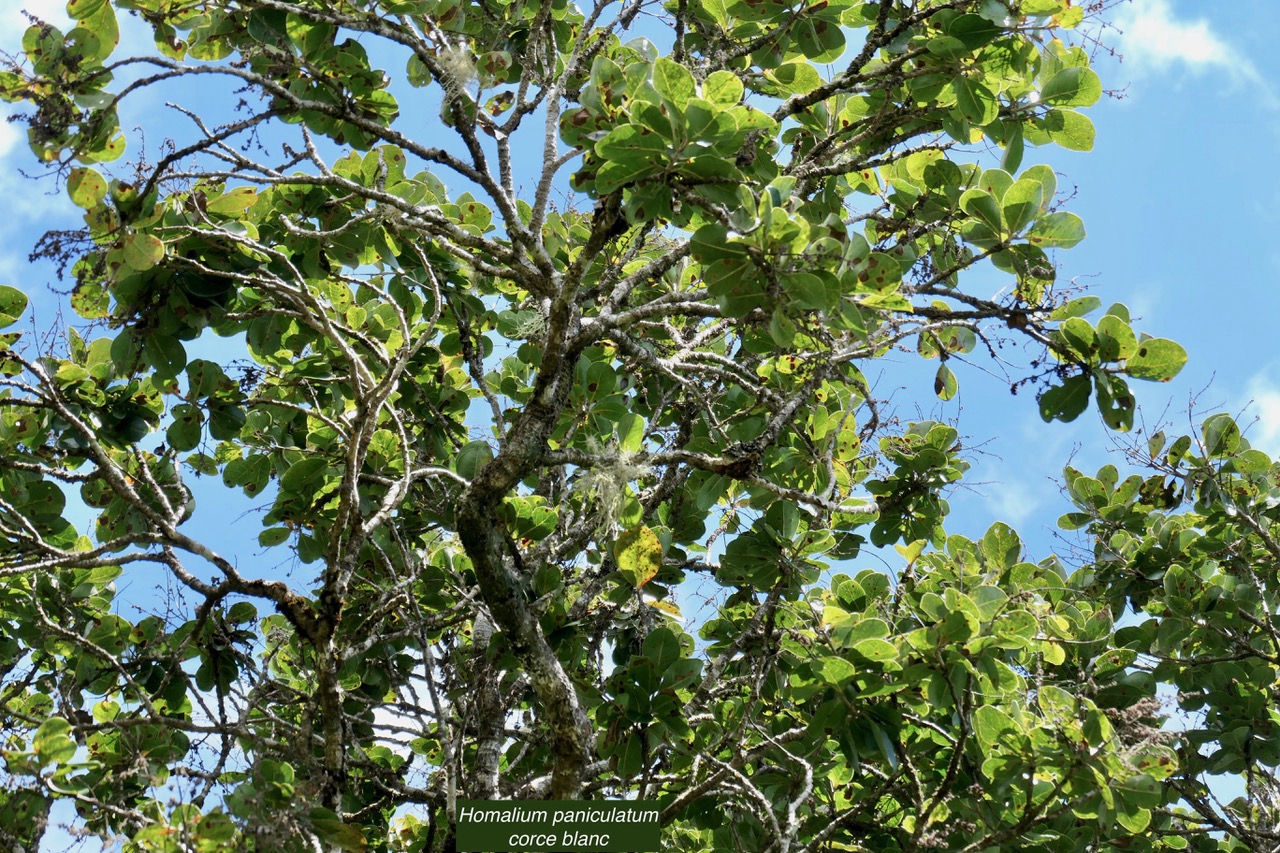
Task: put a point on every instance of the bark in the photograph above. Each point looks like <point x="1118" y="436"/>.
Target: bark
<point x="503" y="584"/>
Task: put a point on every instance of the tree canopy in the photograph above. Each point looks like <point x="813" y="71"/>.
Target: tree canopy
<point x="536" y="333"/>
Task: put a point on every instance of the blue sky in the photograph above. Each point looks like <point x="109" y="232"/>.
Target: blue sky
<point x="1180" y="200"/>
<point x="1177" y="196"/>
<point x="1182" y="213"/>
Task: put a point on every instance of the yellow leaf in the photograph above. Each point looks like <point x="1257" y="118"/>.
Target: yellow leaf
<point x="666" y="608"/>
<point x="639" y="555"/>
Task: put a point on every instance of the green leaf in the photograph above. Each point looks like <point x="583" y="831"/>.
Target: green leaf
<point x="274" y="536"/>
<point x="86" y="187"/>
<point x="818" y="38"/>
<point x="947" y="47"/>
<point x="416" y="72"/>
<point x="1115" y="401"/>
<point x="110" y="148"/>
<point x="1136" y="821"/>
<point x="875" y="650"/>
<point x="1059" y="230"/>
<point x="808" y="291"/>
<point x="1077" y="307"/>
<point x="1140" y="790"/>
<point x="794" y="78"/>
<point x="629" y="142"/>
<point x="1048" y="181"/>
<point x="531" y="518"/>
<point x="1251" y="462"/>
<point x="242" y="612"/>
<point x="1157" y="359"/>
<point x="654" y="117"/>
<point x="233" y="203"/>
<point x="631" y="429"/>
<point x="1014" y="148"/>
<point x="974" y="31"/>
<point x="1001" y="545"/>
<point x="944" y="383"/>
<point x="879" y="271"/>
<point x="911" y="552"/>
<point x="617" y="174"/>
<point x="1178" y="450"/>
<point x="471" y="458"/>
<point x="849" y="629"/>
<point x="13" y="303"/>
<point x="781" y="329"/>
<point x="143" y="251"/>
<point x="53" y="743"/>
<point x="991" y="600"/>
<point x="1041" y="7"/>
<point x="1072" y="87"/>
<point x="976" y="102"/>
<point x="1055" y="702"/>
<point x="984" y="206"/>
<point x="184" y="433"/>
<point x="1119" y="309"/>
<point x="782" y="521"/>
<point x="711" y="243"/>
<point x="225" y="422"/>
<point x="996" y="182"/>
<point x="1079" y="338"/>
<point x="674" y="82"/>
<point x="638" y="554"/>
<point x="1116" y="341"/>
<point x="98" y="32"/>
<point x="303" y="476"/>
<point x="722" y="88"/>
<point x="1156" y="761"/>
<point x="1221" y="436"/>
<point x="1067" y="401"/>
<point x="215" y="828"/>
<point x="885" y="744"/>
<point x="80" y="9"/>
<point x="166" y="354"/>
<point x="1071" y="130"/>
<point x="980" y="234"/>
<point x="330" y="828"/>
<point x="630" y="756"/>
<point x="662" y="647"/>
<point x="1021" y="203"/>
<point x="1070" y="18"/>
<point x="91" y="300"/>
<point x="836" y="671"/>
<point x="990" y="725"/>
<point x="847" y="444"/>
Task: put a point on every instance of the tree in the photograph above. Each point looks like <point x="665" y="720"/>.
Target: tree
<point x="1189" y="543"/>
<point x="559" y="324"/>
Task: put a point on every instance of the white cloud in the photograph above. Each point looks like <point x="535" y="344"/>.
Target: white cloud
<point x="1261" y="418"/>
<point x="1143" y="301"/>
<point x="31" y="207"/>
<point x="13" y="23"/>
<point x="1012" y="502"/>
<point x="34" y="205"/>
<point x="9" y="136"/>
<point x="1154" y="38"/>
